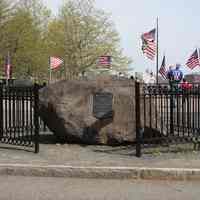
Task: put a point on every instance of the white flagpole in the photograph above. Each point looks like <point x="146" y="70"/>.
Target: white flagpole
<point x="8" y="68"/>
<point x="157" y="51"/>
<point x="65" y="69"/>
<point x="50" y="72"/>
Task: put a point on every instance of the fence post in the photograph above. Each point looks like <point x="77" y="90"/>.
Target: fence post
<point x="137" y="119"/>
<point x="171" y="112"/>
<point x="36" y="117"/>
<point x="1" y="111"/>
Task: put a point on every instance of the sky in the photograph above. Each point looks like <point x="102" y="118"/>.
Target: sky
<point x="179" y="32"/>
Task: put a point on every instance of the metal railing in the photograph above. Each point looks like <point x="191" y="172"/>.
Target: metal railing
<point x="19" y="120"/>
<point x="166" y="114"/>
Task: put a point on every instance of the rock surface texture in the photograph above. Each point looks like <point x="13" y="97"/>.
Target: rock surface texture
<point x="67" y="109"/>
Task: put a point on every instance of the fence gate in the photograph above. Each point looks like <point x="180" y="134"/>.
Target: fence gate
<point x="19" y="116"/>
<point x="167" y="115"/>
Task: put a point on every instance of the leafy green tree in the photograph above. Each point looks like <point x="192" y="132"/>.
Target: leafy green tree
<point x="6" y="11"/>
<point x="25" y="39"/>
<point x="81" y="33"/>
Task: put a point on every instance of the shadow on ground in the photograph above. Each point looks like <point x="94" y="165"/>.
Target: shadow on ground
<point x="48" y="139"/>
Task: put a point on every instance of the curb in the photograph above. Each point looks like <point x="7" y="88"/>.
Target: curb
<point x="100" y="172"/>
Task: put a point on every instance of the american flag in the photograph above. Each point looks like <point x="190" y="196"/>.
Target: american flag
<point x="105" y="61"/>
<point x="193" y="60"/>
<point x="149" y="44"/>
<point x="162" y="69"/>
<point x="55" y="62"/>
<point x="8" y="67"/>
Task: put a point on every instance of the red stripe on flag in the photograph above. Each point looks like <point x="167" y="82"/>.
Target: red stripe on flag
<point x="105" y="60"/>
<point x="193" y="60"/>
<point x="8" y="71"/>
<point x="55" y="62"/>
<point x="148" y="44"/>
<point x="162" y="69"/>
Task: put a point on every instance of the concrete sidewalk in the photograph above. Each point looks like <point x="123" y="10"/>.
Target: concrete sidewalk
<point x="101" y="162"/>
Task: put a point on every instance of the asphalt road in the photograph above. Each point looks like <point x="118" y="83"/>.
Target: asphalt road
<point x="23" y="188"/>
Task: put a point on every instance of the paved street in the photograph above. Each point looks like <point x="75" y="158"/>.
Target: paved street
<point x="23" y="188"/>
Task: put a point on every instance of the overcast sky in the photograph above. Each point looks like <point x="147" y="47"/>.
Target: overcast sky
<point x="179" y="32"/>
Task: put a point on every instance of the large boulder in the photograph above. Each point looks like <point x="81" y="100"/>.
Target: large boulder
<point x="67" y="109"/>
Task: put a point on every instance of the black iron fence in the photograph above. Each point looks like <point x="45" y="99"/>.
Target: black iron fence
<point x="19" y="120"/>
<point x="166" y="114"/>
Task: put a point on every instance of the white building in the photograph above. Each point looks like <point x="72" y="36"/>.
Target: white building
<point x="149" y="78"/>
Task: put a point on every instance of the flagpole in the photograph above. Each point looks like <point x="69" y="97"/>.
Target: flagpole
<point x="8" y="68"/>
<point x="50" y="75"/>
<point x="157" y="50"/>
<point x="65" y="70"/>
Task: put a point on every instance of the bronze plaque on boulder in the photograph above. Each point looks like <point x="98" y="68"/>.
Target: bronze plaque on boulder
<point x="102" y="105"/>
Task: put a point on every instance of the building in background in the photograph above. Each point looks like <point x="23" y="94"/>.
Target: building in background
<point x="193" y="78"/>
<point x="149" y="77"/>
<point x="139" y="76"/>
